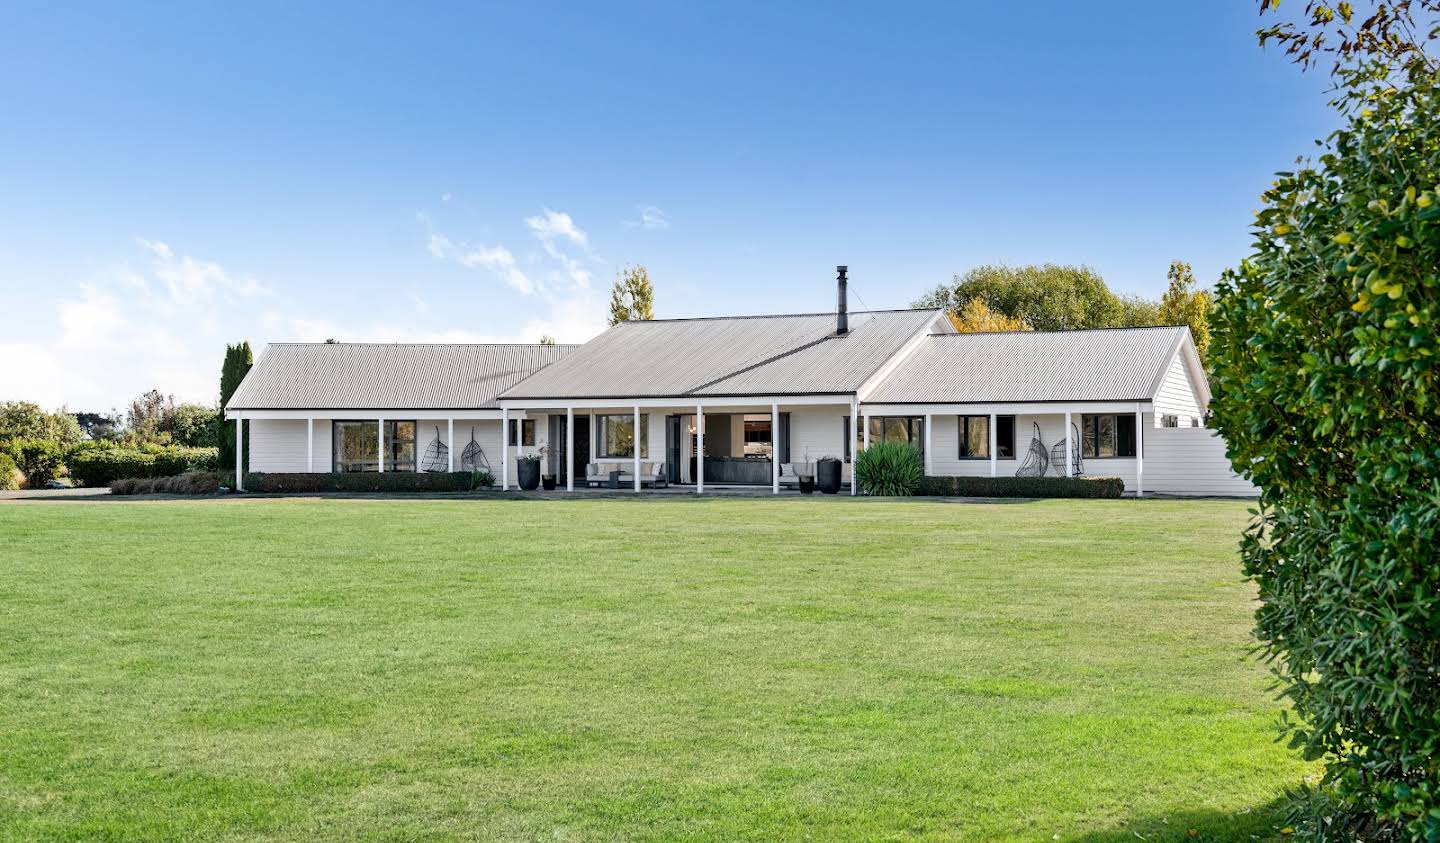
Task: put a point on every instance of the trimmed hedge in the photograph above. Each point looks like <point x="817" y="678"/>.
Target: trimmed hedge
<point x="103" y="467"/>
<point x="1023" y="487"/>
<point x="190" y="483"/>
<point x="390" y="481"/>
<point x="9" y="474"/>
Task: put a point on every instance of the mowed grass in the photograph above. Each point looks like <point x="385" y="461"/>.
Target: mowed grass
<point x="653" y="669"/>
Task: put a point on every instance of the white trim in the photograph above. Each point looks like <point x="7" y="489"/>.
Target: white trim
<point x="381" y="446"/>
<point x="850" y="446"/>
<point x="774" y="449"/>
<point x="365" y="415"/>
<point x="700" y="449"/>
<point x="239" y="455"/>
<point x="1069" y="446"/>
<point x="450" y="444"/>
<point x="929" y="449"/>
<point x="310" y="445"/>
<point x="504" y="450"/>
<point x="635" y="447"/>
<point x="1034" y="408"/>
<point x="569" y="449"/>
<point x="1139" y="451"/>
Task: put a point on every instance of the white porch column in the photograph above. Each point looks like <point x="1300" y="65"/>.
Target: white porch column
<point x="866" y="422"/>
<point x="994" y="443"/>
<point x="450" y="445"/>
<point x="636" y="449"/>
<point x="1139" y="450"/>
<point x="569" y="449"/>
<point x="504" y="449"/>
<point x="310" y="445"/>
<point x="699" y="449"/>
<point x="381" y="423"/>
<point x="239" y="453"/>
<point x="850" y="446"/>
<point x="929" y="458"/>
<point x="774" y="448"/>
<point x="1069" y="448"/>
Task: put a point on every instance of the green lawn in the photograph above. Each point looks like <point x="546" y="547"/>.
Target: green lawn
<point x="639" y="670"/>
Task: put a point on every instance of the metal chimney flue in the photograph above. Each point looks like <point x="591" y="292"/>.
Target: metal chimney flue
<point x="842" y="306"/>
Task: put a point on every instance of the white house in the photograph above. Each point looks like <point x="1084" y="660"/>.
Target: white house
<point x="748" y="401"/>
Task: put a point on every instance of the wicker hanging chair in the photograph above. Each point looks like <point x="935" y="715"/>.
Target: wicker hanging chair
<point x="472" y="458"/>
<point x="1057" y="454"/>
<point x="1037" y="458"/>
<point x="437" y="455"/>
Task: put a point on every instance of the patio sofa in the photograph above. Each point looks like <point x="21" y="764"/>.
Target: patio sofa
<point x="652" y="473"/>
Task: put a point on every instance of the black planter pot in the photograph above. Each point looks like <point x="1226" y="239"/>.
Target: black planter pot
<point x="807" y="485"/>
<point x="548" y="482"/>
<point x="529" y="475"/>
<point x="827" y="476"/>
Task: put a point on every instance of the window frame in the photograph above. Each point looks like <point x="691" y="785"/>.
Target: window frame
<point x="914" y="425"/>
<point x="962" y="423"/>
<point x="389" y="446"/>
<point x="1090" y="433"/>
<point x="525" y="436"/>
<point x="602" y="446"/>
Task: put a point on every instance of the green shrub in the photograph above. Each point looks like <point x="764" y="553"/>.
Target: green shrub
<point x="9" y="473"/>
<point x="389" y="481"/>
<point x="189" y="483"/>
<point x="482" y="480"/>
<point x="39" y="459"/>
<point x="889" y="468"/>
<point x="1326" y="373"/>
<point x="1023" y="487"/>
<point x="103" y="466"/>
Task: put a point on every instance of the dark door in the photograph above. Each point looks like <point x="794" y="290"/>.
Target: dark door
<point x="672" y="449"/>
<point x="582" y="447"/>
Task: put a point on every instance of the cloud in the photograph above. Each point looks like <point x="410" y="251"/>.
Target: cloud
<point x="649" y="217"/>
<point x="550" y="225"/>
<point x="500" y="261"/>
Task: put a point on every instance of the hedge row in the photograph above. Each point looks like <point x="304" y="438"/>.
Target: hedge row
<point x="190" y="483"/>
<point x="101" y="467"/>
<point x="390" y="481"/>
<point x="1023" y="487"/>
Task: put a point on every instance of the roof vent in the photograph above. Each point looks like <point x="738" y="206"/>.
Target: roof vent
<point x="842" y="308"/>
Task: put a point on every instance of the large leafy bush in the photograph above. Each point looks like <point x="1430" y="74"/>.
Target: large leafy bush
<point x="889" y="468"/>
<point x="9" y="473"/>
<point x="40" y="459"/>
<point x="100" y="467"/>
<point x="1327" y="391"/>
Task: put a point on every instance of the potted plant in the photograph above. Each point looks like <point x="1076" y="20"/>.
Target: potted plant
<point x="827" y="475"/>
<point x="528" y="466"/>
<point x="547" y="480"/>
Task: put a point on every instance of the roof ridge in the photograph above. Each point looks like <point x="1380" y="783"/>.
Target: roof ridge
<point x="781" y="315"/>
<point x="439" y="344"/>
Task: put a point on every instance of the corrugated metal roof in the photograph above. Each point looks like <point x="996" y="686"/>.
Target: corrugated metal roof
<point x="364" y="376"/>
<point x="1113" y="364"/>
<point x="743" y="355"/>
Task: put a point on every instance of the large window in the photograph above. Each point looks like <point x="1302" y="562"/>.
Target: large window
<point x="1107" y="435"/>
<point x="355" y="446"/>
<point x="617" y="435"/>
<point x="907" y="429"/>
<point x="758" y="439"/>
<point x="975" y="437"/>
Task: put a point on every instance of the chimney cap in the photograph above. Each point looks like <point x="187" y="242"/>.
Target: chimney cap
<point x="842" y="268"/>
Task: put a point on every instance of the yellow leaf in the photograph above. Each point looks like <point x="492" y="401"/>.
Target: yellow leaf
<point x="1282" y="229"/>
<point x="1343" y="238"/>
<point x="1424" y="201"/>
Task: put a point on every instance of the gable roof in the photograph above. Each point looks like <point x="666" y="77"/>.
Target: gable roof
<point x="379" y="376"/>
<point x="797" y="354"/>
<point x="1103" y="364"/>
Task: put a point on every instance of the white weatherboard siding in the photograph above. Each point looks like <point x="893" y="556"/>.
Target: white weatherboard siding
<point x="946" y="461"/>
<point x="1176" y="395"/>
<point x="278" y="445"/>
<point x="817" y="432"/>
<point x="1191" y="461"/>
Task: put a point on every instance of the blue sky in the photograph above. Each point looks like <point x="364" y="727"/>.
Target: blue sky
<point x="176" y="177"/>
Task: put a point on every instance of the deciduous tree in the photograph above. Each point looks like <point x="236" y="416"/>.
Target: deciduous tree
<point x="1183" y="304"/>
<point x="1046" y="297"/>
<point x="975" y="318"/>
<point x="632" y="297"/>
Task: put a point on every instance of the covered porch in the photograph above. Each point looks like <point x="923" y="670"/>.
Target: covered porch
<point x="690" y="444"/>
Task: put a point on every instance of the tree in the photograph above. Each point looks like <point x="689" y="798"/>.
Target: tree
<point x="546" y="339"/>
<point x="238" y="360"/>
<point x="151" y="419"/>
<point x="195" y="426"/>
<point x="1047" y="297"/>
<point x="1182" y="304"/>
<point x="975" y="318"/>
<point x="1326" y="367"/>
<point x="1138" y="312"/>
<point x="25" y="420"/>
<point x="99" y="426"/>
<point x="632" y="297"/>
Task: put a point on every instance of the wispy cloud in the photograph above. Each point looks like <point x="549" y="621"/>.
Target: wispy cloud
<point x="549" y="225"/>
<point x="648" y="216"/>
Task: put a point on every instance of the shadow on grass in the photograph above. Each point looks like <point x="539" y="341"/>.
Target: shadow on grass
<point x="1263" y="822"/>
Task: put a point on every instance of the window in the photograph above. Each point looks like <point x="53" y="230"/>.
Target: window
<point x="1108" y="435"/>
<point x="845" y="436"/>
<point x="907" y="429"/>
<point x="757" y="436"/>
<point x="1169" y="421"/>
<point x="356" y="447"/>
<point x="617" y="435"/>
<point x="526" y="436"/>
<point x="974" y="435"/>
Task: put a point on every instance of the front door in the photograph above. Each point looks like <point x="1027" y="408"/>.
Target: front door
<point x="582" y="447"/>
<point x="672" y="449"/>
